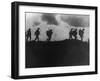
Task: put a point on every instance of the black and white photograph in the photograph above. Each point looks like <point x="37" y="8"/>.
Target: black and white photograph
<point x="50" y="40"/>
<point x="56" y="39"/>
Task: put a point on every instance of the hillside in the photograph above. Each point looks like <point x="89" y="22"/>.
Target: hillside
<point x="58" y="53"/>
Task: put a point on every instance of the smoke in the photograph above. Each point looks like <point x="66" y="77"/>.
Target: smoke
<point x="60" y="25"/>
<point x="49" y="18"/>
<point x="36" y="23"/>
<point x="76" y="20"/>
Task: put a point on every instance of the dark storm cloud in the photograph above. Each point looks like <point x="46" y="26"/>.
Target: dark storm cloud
<point x="36" y="23"/>
<point x="76" y="20"/>
<point x="49" y="18"/>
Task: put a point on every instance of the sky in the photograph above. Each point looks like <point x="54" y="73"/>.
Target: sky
<point x="59" y="23"/>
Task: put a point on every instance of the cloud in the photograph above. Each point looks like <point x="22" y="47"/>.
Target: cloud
<point x="49" y="18"/>
<point x="32" y="19"/>
<point x="76" y="20"/>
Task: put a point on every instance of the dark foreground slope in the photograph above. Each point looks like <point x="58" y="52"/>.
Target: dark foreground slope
<point x="52" y="54"/>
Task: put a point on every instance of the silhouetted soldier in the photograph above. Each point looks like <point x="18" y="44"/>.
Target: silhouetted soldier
<point x="81" y="32"/>
<point x="49" y="34"/>
<point x="71" y="34"/>
<point x="28" y="34"/>
<point x="75" y="34"/>
<point x="37" y="33"/>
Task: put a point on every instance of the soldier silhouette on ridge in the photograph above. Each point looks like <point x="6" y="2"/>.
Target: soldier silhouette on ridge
<point x="49" y="34"/>
<point x="28" y="34"/>
<point x="81" y="33"/>
<point x="37" y="33"/>
<point x="73" y="33"/>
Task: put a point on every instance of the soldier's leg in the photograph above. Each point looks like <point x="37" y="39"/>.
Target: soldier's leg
<point x="38" y="38"/>
<point x="71" y="36"/>
<point x="75" y="37"/>
<point x="82" y="38"/>
<point x="30" y="38"/>
<point x="35" y="38"/>
<point x="49" y="38"/>
<point x="26" y="38"/>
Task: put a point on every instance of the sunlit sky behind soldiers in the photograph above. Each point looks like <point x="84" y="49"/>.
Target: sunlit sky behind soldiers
<point x="60" y="24"/>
